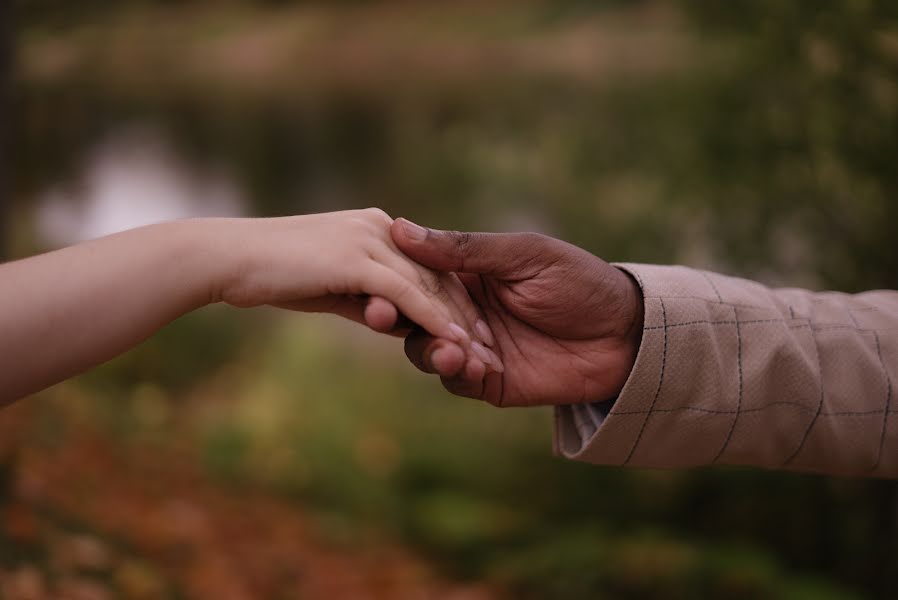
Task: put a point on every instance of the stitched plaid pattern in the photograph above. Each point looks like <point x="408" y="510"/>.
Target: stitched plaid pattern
<point x="732" y="372"/>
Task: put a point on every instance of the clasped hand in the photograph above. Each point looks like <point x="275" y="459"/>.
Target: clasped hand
<point x="564" y="324"/>
<point x="513" y="319"/>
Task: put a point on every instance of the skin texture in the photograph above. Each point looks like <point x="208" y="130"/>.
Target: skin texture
<point x="64" y="312"/>
<point x="567" y="325"/>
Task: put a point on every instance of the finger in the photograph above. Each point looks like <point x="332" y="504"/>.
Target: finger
<point x="473" y="315"/>
<point x="348" y="307"/>
<point x="444" y="287"/>
<point x="463" y="310"/>
<point x="469" y="383"/>
<point x="411" y="300"/>
<point x="433" y="355"/>
<point x="501" y="255"/>
<point x="460" y="304"/>
<point x="421" y="277"/>
<point x="381" y="315"/>
<point x="474" y="372"/>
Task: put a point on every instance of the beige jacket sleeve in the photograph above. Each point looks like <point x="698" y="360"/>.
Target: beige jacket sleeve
<point x="732" y="372"/>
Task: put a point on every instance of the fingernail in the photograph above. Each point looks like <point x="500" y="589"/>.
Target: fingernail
<point x="495" y="361"/>
<point x="481" y="352"/>
<point x="483" y="330"/>
<point x="460" y="334"/>
<point x="413" y="231"/>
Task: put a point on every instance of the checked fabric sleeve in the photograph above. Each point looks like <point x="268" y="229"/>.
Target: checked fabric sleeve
<point x="732" y="372"/>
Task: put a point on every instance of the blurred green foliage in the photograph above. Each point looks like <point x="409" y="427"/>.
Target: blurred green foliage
<point x="755" y="137"/>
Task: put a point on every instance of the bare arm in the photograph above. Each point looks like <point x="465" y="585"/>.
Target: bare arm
<point x="64" y="312"/>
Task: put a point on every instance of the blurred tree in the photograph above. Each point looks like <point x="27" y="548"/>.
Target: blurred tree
<point x="6" y="458"/>
<point x="797" y="138"/>
<point x="5" y="120"/>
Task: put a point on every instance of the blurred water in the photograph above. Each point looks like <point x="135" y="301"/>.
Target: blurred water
<point x="133" y="178"/>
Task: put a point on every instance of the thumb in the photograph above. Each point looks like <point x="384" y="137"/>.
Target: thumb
<point x="500" y="255"/>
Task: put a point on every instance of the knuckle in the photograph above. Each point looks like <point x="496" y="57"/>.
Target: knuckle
<point x="375" y="223"/>
<point x="430" y="284"/>
<point x="531" y="252"/>
<point x="531" y="240"/>
<point x="462" y="241"/>
<point x="403" y="289"/>
<point x="359" y="221"/>
<point x="377" y="215"/>
<point x="463" y="245"/>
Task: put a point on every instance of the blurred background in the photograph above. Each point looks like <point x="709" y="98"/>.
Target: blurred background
<point x="255" y="454"/>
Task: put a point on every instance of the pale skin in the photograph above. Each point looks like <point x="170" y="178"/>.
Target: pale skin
<point x="66" y="311"/>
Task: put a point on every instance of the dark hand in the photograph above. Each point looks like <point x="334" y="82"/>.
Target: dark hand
<point x="567" y="325"/>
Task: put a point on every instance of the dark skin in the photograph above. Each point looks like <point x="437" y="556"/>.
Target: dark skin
<point x="566" y="324"/>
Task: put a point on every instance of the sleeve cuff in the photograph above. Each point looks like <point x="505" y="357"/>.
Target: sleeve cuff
<point x="605" y="432"/>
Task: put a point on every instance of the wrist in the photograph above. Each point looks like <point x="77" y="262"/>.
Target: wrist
<point x="206" y="255"/>
<point x="636" y="305"/>
<point x="632" y="322"/>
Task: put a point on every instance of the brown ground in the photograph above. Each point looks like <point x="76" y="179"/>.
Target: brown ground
<point x="89" y="519"/>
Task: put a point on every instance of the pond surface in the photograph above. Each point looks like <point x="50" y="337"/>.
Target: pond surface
<point x="133" y="178"/>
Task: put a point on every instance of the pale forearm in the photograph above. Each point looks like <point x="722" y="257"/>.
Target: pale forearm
<point x="64" y="312"/>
